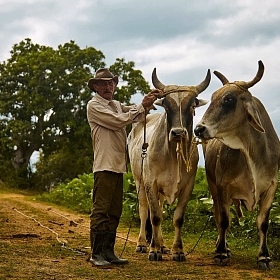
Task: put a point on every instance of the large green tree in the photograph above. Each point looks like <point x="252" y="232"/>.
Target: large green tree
<point x="43" y="97"/>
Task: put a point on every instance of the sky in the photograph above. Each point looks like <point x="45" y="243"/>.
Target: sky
<point x="181" y="38"/>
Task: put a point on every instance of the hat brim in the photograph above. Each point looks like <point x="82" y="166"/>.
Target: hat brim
<point x="93" y="81"/>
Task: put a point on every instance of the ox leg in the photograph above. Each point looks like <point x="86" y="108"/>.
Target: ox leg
<point x="222" y="217"/>
<point x="163" y="249"/>
<point x="178" y="221"/>
<point x="177" y="247"/>
<point x="155" y="253"/>
<point x="141" y="246"/>
<point x="263" y="259"/>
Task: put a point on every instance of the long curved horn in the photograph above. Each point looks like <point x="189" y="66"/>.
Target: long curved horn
<point x="203" y="85"/>
<point x="221" y="77"/>
<point x="156" y="82"/>
<point x="258" y="76"/>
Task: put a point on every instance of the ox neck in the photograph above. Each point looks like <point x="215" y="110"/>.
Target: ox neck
<point x="252" y="144"/>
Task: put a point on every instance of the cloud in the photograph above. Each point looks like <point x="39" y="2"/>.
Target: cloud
<point x="182" y="39"/>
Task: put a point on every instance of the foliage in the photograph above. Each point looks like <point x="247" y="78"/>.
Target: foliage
<point x="130" y="214"/>
<point x="42" y="92"/>
<point x="72" y="193"/>
<point x="61" y="166"/>
<point x="43" y="98"/>
<point x="131" y="80"/>
<point x="75" y="195"/>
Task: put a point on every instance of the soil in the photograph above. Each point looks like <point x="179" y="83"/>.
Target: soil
<point x="43" y="241"/>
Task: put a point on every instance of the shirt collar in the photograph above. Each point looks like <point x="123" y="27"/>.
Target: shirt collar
<point x="101" y="100"/>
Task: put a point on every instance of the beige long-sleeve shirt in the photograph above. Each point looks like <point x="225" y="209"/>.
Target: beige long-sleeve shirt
<point x="107" y="120"/>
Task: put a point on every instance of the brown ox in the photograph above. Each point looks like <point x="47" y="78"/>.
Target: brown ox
<point x="242" y="161"/>
<point x="169" y="169"/>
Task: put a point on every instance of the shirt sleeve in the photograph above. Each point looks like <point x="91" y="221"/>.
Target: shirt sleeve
<point x="103" y="116"/>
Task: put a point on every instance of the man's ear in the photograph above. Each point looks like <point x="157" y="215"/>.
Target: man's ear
<point x="95" y="87"/>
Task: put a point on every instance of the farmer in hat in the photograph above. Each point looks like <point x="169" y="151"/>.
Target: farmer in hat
<point x="107" y="119"/>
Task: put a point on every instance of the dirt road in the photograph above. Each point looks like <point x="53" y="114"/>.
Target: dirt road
<point x="41" y="241"/>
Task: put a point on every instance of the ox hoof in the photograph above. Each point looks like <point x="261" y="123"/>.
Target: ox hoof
<point x="141" y="249"/>
<point x="265" y="264"/>
<point x="155" y="256"/>
<point x="221" y="260"/>
<point x="164" y="250"/>
<point x="179" y="257"/>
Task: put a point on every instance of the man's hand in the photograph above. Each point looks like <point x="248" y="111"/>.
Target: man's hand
<point x="151" y="97"/>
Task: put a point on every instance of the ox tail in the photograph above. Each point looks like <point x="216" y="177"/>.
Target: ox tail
<point x="149" y="230"/>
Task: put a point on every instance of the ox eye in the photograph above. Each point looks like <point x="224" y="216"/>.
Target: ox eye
<point x="229" y="100"/>
<point x="196" y="103"/>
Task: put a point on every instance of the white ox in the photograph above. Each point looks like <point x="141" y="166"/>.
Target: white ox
<point x="242" y="161"/>
<point x="168" y="171"/>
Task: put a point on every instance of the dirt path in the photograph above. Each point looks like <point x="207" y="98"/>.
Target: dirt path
<point x="41" y="241"/>
<point x="28" y="231"/>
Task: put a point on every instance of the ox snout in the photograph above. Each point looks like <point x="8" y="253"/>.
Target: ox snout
<point x="176" y="134"/>
<point x="202" y="132"/>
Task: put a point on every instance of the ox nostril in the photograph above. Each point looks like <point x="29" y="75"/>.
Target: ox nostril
<point x="199" y="129"/>
<point x="178" y="132"/>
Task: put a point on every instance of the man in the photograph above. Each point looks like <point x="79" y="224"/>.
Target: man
<point x="107" y="119"/>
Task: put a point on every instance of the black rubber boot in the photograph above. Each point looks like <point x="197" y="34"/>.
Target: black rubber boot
<point x="96" y="241"/>
<point x="108" y="249"/>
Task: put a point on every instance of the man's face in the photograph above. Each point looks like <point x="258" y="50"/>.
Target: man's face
<point x="105" y="89"/>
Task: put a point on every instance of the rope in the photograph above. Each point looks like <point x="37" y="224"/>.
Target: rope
<point x="179" y="151"/>
<point x="195" y="141"/>
<point x="137" y="202"/>
<point x="71" y="221"/>
<point x="187" y="160"/>
<point x="145" y="144"/>
<point x="62" y="242"/>
<point x="200" y="237"/>
<point x="177" y="89"/>
<point x="143" y="156"/>
<point x="76" y="224"/>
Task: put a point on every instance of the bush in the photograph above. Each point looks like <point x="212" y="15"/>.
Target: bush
<point x="75" y="195"/>
<point x="130" y="215"/>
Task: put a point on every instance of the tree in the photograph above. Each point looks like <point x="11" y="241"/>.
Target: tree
<point x="43" y="97"/>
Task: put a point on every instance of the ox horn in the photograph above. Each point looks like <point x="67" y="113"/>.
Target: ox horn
<point x="221" y="77"/>
<point x="256" y="79"/>
<point x="258" y="76"/>
<point x="156" y="82"/>
<point x="203" y="85"/>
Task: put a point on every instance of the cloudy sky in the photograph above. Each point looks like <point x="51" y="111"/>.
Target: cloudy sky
<point x="181" y="38"/>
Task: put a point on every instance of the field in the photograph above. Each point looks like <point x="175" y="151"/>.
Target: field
<point x="44" y="241"/>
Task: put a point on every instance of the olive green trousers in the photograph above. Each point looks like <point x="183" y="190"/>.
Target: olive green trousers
<point x="107" y="201"/>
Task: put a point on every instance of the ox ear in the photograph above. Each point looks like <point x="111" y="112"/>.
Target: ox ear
<point x="200" y="102"/>
<point x="253" y="117"/>
<point x="159" y="102"/>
